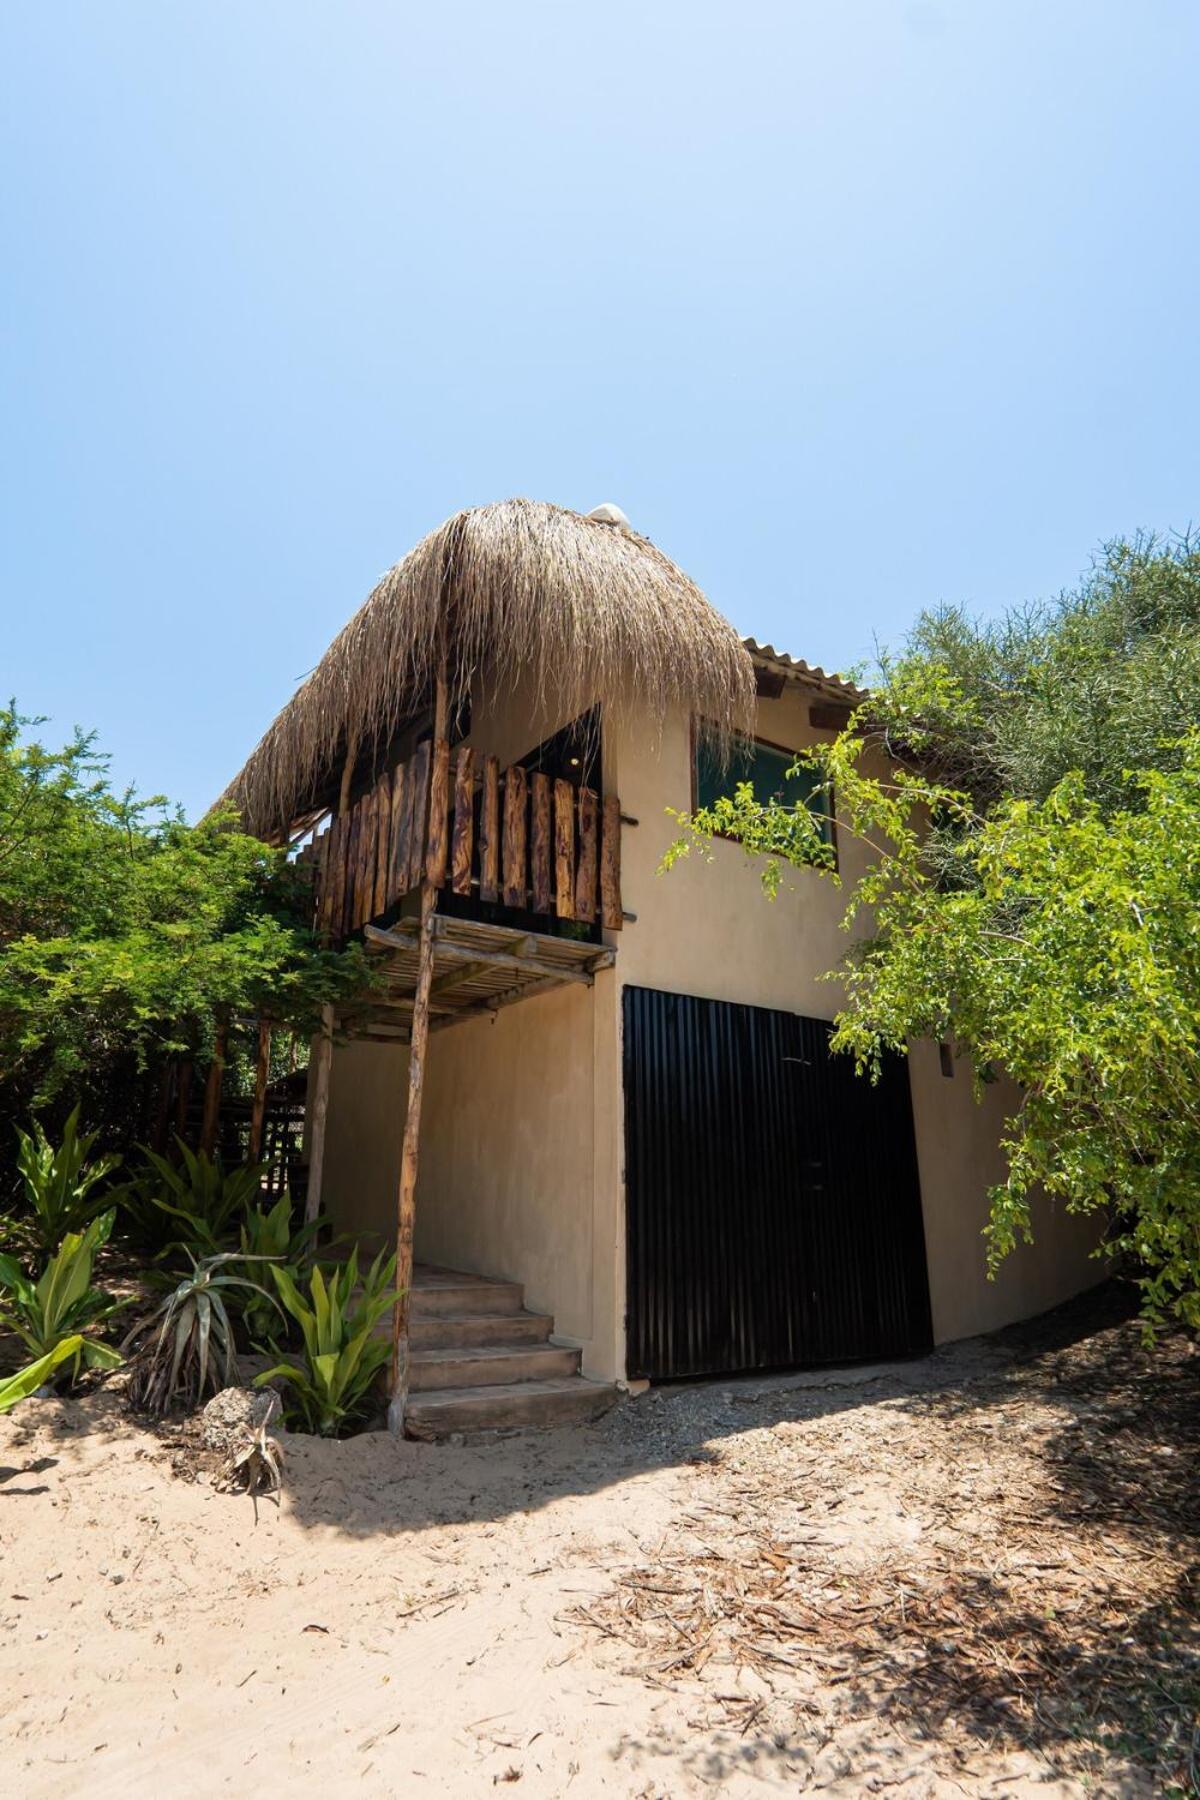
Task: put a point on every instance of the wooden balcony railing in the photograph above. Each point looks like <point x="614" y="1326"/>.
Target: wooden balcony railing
<point x="514" y="839"/>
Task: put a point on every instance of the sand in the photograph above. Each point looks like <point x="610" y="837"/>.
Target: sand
<point x="448" y="1619"/>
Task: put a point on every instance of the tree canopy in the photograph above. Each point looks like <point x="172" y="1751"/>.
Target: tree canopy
<point x="125" y="932"/>
<point x="1034" y="889"/>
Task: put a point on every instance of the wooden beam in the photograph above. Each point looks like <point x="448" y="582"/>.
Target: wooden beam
<point x="539" y="844"/>
<point x="514" y="836"/>
<point x="489" y="831"/>
<point x="589" y="857"/>
<point x="464" y="820"/>
<point x="406" y="1199"/>
<point x="212" y="1088"/>
<point x="610" y="865"/>
<point x="322" y="1059"/>
<point x="438" y="845"/>
<point x="258" y="1110"/>
<point x="383" y="843"/>
<point x="564" y="849"/>
<point x="399" y="820"/>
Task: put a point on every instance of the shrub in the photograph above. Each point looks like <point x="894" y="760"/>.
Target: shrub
<point x="331" y="1386"/>
<point x="200" y="1195"/>
<point x="62" y="1303"/>
<point x="268" y="1237"/>
<point x="59" y="1182"/>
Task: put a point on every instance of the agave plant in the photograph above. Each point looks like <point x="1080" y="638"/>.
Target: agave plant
<point x="198" y="1204"/>
<point x="60" y="1183"/>
<point x="185" y="1347"/>
<point x="330" y="1388"/>
<point x="28" y="1380"/>
<point x="62" y="1303"/>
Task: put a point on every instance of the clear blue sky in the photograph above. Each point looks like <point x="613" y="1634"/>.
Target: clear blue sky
<point x="852" y="306"/>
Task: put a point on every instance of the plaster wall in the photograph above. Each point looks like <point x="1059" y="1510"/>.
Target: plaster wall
<point x="706" y="928"/>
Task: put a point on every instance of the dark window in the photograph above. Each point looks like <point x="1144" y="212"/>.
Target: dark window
<point x="766" y="769"/>
<point x="572" y="754"/>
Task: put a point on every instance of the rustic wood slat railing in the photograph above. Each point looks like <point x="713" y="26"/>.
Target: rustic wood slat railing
<point x="511" y="837"/>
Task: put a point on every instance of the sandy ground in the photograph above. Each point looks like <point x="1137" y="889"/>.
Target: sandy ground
<point x="969" y="1575"/>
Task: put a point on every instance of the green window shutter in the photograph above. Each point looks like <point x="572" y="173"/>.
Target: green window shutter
<point x="766" y="769"/>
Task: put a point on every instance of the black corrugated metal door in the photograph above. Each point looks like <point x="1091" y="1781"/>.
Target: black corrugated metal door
<point x="772" y="1200"/>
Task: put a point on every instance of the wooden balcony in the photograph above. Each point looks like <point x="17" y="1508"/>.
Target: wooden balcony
<point x="510" y="839"/>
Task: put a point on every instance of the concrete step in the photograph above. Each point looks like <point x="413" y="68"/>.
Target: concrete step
<point x="466" y="1330"/>
<point x="568" y="1400"/>
<point x="489" y="1365"/>
<point x="464" y="1294"/>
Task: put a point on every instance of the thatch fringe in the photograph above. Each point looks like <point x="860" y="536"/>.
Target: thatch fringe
<point x="584" y="611"/>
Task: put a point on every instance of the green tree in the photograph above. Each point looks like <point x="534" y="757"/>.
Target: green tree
<point x="125" y="932"/>
<point x="1033" y="890"/>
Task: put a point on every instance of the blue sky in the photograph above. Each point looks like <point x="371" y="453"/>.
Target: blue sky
<point x="853" y="307"/>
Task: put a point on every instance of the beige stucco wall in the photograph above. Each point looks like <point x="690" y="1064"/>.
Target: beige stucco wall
<point x="518" y="1167"/>
<point x="706" y="928"/>
<point x="522" y="1136"/>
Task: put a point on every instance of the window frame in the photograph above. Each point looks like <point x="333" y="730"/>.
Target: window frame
<point x="727" y="837"/>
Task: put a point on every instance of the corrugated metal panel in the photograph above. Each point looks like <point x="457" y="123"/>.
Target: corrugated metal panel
<point x="836" y="685"/>
<point x="773" y="1204"/>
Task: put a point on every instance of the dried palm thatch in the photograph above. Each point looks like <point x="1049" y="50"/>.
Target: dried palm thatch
<point x="581" y="610"/>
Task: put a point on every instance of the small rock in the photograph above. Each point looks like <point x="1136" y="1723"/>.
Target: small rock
<point x="116" y="1580"/>
<point x="234" y="1415"/>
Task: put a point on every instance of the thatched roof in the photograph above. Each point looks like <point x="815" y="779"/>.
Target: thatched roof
<point x="587" y="611"/>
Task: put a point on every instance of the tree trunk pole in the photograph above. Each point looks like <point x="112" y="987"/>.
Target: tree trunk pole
<point x="322" y="1057"/>
<point x="212" y="1088"/>
<point x="406" y="1205"/>
<point x="262" y="1070"/>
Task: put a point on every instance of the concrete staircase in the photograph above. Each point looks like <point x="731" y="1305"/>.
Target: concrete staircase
<point x="480" y="1362"/>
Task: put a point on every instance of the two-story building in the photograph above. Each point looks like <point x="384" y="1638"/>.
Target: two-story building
<point x="636" y="1157"/>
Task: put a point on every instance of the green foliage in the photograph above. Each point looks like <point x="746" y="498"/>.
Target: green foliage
<point x="331" y="1388"/>
<point x="124" y="931"/>
<point x="268" y="1237"/>
<point x="61" y="1303"/>
<point x="28" y="1380"/>
<point x="185" y="1347"/>
<point x="202" y="1202"/>
<point x="59" y="1182"/>
<point x="1032" y="890"/>
<point x="1103" y="680"/>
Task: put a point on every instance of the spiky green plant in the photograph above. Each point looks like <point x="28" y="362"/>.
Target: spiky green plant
<point x="59" y="1182"/>
<point x="331" y="1386"/>
<point x="62" y="1302"/>
<point x="185" y="1347"/>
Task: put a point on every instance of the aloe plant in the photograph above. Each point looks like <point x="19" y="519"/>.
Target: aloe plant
<point x="330" y="1388"/>
<point x="185" y="1347"/>
<point x="61" y="1303"/>
<point x="59" y="1181"/>
<point x="28" y="1380"/>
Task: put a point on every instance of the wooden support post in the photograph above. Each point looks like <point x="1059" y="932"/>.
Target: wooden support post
<point x="610" y="865"/>
<point x="540" y="854"/>
<point x="464" y="820"/>
<point x="262" y="1070"/>
<point x="212" y="1088"/>
<point x="564" y="849"/>
<point x="489" y="831"/>
<point x="322" y="1059"/>
<point x="183" y="1095"/>
<point x="406" y="1201"/>
<point x="589" y="855"/>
